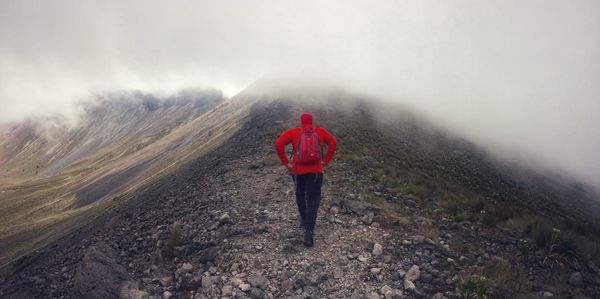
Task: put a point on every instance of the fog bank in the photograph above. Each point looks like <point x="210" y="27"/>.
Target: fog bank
<point x="519" y="77"/>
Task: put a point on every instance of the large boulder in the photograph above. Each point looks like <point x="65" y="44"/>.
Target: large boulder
<point x="99" y="275"/>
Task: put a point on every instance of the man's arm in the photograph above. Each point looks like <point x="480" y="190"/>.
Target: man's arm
<point x="331" y="146"/>
<point x="280" y="143"/>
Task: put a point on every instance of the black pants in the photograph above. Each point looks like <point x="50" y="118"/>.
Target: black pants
<point x="308" y="197"/>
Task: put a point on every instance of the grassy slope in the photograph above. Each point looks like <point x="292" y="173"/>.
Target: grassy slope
<point x="39" y="210"/>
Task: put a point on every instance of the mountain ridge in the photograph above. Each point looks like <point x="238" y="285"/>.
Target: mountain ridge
<point x="235" y="215"/>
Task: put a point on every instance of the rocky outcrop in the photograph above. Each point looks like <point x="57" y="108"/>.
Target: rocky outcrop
<point x="99" y="275"/>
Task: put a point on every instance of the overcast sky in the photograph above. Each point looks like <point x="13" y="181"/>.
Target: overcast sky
<point x="517" y="76"/>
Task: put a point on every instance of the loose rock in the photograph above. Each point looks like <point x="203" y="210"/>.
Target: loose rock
<point x="258" y="281"/>
<point x="245" y="287"/>
<point x="377" y="249"/>
<point x="226" y="290"/>
<point x="413" y="274"/>
<point x="185" y="268"/>
<point x="224" y="218"/>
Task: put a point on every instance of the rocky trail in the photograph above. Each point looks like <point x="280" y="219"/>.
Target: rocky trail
<point x="226" y="226"/>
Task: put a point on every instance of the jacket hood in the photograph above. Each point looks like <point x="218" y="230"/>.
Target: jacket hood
<point x="306" y="119"/>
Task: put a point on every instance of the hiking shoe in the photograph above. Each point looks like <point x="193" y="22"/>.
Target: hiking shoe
<point x="309" y="238"/>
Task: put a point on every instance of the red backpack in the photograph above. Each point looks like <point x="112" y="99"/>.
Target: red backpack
<point x="308" y="149"/>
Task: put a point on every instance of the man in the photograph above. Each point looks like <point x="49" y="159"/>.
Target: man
<point x="307" y="168"/>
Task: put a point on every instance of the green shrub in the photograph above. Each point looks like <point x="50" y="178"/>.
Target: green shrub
<point x="411" y="189"/>
<point x="173" y="239"/>
<point x="460" y="216"/>
<point x="473" y="287"/>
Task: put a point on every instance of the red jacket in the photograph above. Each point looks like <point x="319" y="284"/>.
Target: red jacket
<point x="292" y="136"/>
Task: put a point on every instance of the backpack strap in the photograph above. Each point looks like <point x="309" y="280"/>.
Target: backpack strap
<point x="294" y="167"/>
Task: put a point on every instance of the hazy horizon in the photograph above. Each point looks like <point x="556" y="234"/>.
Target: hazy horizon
<point x="517" y="77"/>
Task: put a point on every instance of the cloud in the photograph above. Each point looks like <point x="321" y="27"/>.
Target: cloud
<point x="516" y="76"/>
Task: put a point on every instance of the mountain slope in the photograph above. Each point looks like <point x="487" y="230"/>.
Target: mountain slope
<point x="401" y="212"/>
<point x="119" y="146"/>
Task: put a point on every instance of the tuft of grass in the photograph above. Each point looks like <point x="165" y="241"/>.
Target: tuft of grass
<point x="540" y="231"/>
<point x="413" y="189"/>
<point x="509" y="279"/>
<point x="552" y="256"/>
<point x="488" y="219"/>
<point x="578" y="226"/>
<point x="353" y="182"/>
<point x="493" y="215"/>
<point x="566" y="243"/>
<point x="589" y="249"/>
<point x="173" y="239"/>
<point x="523" y="250"/>
<point x="472" y="287"/>
<point x="563" y="243"/>
<point x="472" y="217"/>
<point x="461" y="216"/>
<point x="477" y="205"/>
<point x="450" y="207"/>
<point x="463" y="207"/>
